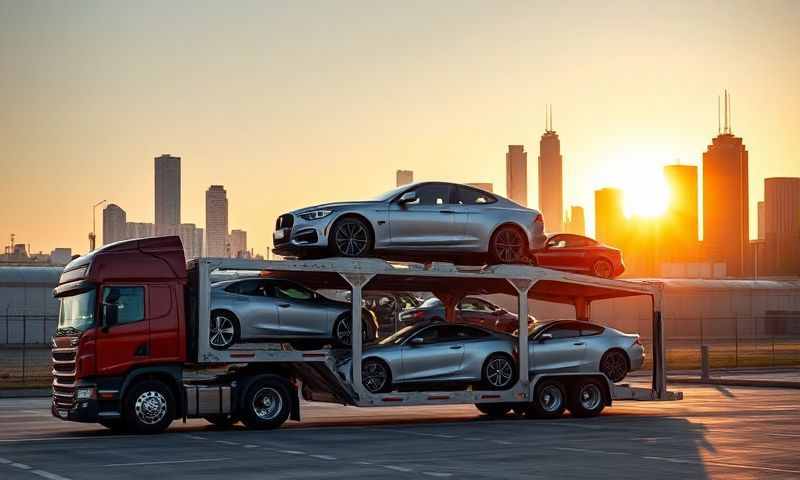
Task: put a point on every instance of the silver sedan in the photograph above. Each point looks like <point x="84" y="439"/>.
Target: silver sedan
<point x="439" y="354"/>
<point x="260" y="308"/>
<point x="429" y="219"/>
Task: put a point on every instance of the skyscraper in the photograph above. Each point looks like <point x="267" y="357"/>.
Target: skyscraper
<point x="517" y="175"/>
<point x="114" y="220"/>
<point x="486" y="187"/>
<point x="551" y="181"/>
<point x="139" y="230"/>
<point x="609" y="216"/>
<point x="404" y="177"/>
<point x="188" y="234"/>
<point x="762" y="220"/>
<point x="725" y="200"/>
<point x="577" y="221"/>
<point x="680" y="228"/>
<point x="168" y="194"/>
<point x="216" y="221"/>
<point x="782" y="225"/>
<point x="238" y="242"/>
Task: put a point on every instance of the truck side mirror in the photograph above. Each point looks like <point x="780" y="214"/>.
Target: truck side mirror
<point x="110" y="315"/>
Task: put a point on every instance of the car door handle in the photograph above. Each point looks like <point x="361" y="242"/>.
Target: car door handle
<point x="284" y="305"/>
<point x="578" y="343"/>
<point x="447" y="211"/>
<point x="456" y="347"/>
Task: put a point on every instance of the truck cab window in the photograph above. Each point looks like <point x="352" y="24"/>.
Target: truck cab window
<point x="123" y="305"/>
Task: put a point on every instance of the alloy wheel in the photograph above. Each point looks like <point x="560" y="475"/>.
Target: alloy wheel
<point x="508" y="245"/>
<point x="221" y="332"/>
<point x="374" y="376"/>
<point x="499" y="372"/>
<point x="150" y="407"/>
<point x="614" y="366"/>
<point x="551" y="398"/>
<point x="602" y="269"/>
<point x="344" y="331"/>
<point x="352" y="239"/>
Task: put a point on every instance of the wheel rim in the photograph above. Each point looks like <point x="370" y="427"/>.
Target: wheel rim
<point x="352" y="239"/>
<point x="267" y="403"/>
<point x="150" y="407"/>
<point x="508" y="246"/>
<point x="222" y="331"/>
<point x="614" y="366"/>
<point x="499" y="372"/>
<point x="374" y="376"/>
<point x="344" y="332"/>
<point x="590" y="397"/>
<point x="602" y="269"/>
<point x="551" y="398"/>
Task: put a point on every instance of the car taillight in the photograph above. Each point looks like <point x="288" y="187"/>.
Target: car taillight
<point x="539" y="219"/>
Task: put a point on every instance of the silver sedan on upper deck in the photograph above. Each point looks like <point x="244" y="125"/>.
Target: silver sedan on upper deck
<point x="428" y="219"/>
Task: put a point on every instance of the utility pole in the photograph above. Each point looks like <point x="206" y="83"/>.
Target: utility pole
<point x="93" y="236"/>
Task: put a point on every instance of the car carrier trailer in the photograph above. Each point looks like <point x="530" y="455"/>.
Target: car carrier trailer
<point x="142" y="375"/>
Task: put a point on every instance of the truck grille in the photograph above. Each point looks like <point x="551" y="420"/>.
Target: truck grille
<point x="63" y="360"/>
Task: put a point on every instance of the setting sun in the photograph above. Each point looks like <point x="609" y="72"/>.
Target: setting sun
<point x="646" y="195"/>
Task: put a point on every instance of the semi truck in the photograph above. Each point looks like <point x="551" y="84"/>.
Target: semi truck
<point x="132" y="348"/>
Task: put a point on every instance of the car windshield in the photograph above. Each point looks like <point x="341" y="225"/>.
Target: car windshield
<point x="386" y="196"/>
<point x="399" y="336"/>
<point x="431" y="302"/>
<point x="76" y="313"/>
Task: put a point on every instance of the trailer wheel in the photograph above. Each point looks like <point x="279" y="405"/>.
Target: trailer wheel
<point x="586" y="398"/>
<point x="221" y="421"/>
<point x="493" y="410"/>
<point x="149" y="407"/>
<point x="549" y="400"/>
<point x="266" y="404"/>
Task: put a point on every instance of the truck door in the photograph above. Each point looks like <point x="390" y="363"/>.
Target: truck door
<point x="123" y="333"/>
<point x="163" y="317"/>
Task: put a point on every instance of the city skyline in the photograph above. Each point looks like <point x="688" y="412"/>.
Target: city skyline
<point x="259" y="132"/>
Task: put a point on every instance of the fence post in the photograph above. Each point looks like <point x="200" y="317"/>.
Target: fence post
<point x="24" y="344"/>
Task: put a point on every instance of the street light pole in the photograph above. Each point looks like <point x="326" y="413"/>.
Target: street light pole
<point x="93" y="236"/>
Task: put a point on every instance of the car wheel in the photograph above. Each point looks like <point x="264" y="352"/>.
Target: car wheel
<point x="508" y="245"/>
<point x="586" y="398"/>
<point x="221" y="421"/>
<point x="549" y="400"/>
<point x="499" y="372"/>
<point x="223" y="330"/>
<point x="149" y="407"/>
<point x="493" y="410"/>
<point x="266" y="404"/>
<point x="614" y="365"/>
<point x="376" y="376"/>
<point x="602" y="268"/>
<point x="350" y="237"/>
<point x="343" y="330"/>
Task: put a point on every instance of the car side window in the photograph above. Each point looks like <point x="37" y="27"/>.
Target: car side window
<point x="432" y="194"/>
<point x="123" y="305"/>
<point x="589" y="330"/>
<point x="474" y="305"/>
<point x="428" y="335"/>
<point x="465" y="333"/>
<point x="564" y="330"/>
<point x="289" y="291"/>
<point x="253" y="288"/>
<point x="473" y="196"/>
<point x="557" y="242"/>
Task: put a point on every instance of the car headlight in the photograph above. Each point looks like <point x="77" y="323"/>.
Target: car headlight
<point x="315" y="214"/>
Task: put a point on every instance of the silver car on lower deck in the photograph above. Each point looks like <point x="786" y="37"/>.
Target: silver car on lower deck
<point x="430" y="219"/>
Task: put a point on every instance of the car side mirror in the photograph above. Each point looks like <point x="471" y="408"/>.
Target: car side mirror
<point x="407" y="197"/>
<point x="110" y="313"/>
<point x="545" y="336"/>
<point x="417" y="341"/>
<point x="500" y="311"/>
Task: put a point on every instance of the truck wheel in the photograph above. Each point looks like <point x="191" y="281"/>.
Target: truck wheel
<point x="221" y="421"/>
<point x="149" y="407"/>
<point x="549" y="400"/>
<point x="493" y="410"/>
<point x="266" y="404"/>
<point x="586" y="398"/>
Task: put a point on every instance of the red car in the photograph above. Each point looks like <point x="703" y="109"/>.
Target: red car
<point x="566" y="251"/>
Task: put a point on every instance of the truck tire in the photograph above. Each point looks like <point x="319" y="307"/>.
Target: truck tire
<point x="586" y="398"/>
<point x="149" y="407"/>
<point x="221" y="421"/>
<point x="549" y="400"/>
<point x="266" y="404"/>
<point x="493" y="410"/>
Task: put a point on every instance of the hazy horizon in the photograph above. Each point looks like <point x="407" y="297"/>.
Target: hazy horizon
<point x="292" y="104"/>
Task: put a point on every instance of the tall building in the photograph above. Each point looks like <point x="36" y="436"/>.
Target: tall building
<point x="486" y="187"/>
<point x="216" y="221"/>
<point x="139" y="230"/>
<point x="168" y="194"/>
<point x="725" y="200"/>
<point x="762" y="221"/>
<point x="609" y="216"/>
<point x="197" y="244"/>
<point x="782" y="225"/>
<point x="238" y="242"/>
<point x="517" y="175"/>
<point x="679" y="231"/>
<point x="551" y="183"/>
<point x="114" y="220"/>
<point x="404" y="177"/>
<point x="576" y="223"/>
<point x="188" y="234"/>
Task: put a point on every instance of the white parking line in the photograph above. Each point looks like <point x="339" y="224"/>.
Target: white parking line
<point x="437" y="474"/>
<point x="293" y="452"/>
<point x="48" y="475"/>
<point x="323" y="457"/>
<point x="589" y="450"/>
<point x="251" y="446"/>
<point x="21" y="466"/>
<point x="225" y="442"/>
<point x="196" y="437"/>
<point x="165" y="462"/>
<point x="397" y="469"/>
<point x="4" y="461"/>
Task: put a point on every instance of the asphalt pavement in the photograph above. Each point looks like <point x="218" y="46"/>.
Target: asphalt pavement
<point x="715" y="432"/>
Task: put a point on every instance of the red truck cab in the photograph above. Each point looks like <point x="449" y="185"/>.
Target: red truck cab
<point x="121" y="316"/>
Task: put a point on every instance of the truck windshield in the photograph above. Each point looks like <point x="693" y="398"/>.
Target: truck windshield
<point x="76" y="313"/>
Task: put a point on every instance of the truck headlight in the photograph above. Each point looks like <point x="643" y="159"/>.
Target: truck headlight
<point x="315" y="214"/>
<point x="86" y="393"/>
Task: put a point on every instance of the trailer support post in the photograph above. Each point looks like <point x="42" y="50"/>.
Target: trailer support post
<point x="523" y="286"/>
<point x="203" y="307"/>
<point x="357" y="282"/>
<point x="659" y="349"/>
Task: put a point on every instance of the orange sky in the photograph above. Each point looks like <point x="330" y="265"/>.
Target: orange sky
<point x="293" y="103"/>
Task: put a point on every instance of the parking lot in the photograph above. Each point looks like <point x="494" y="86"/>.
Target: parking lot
<point x="716" y="432"/>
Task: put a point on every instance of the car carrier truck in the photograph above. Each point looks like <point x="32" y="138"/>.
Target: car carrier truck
<point x="132" y="348"/>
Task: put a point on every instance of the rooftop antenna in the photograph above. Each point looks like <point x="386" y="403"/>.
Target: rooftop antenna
<point x="730" y="115"/>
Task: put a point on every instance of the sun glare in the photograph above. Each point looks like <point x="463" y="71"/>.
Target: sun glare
<point x="646" y="193"/>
